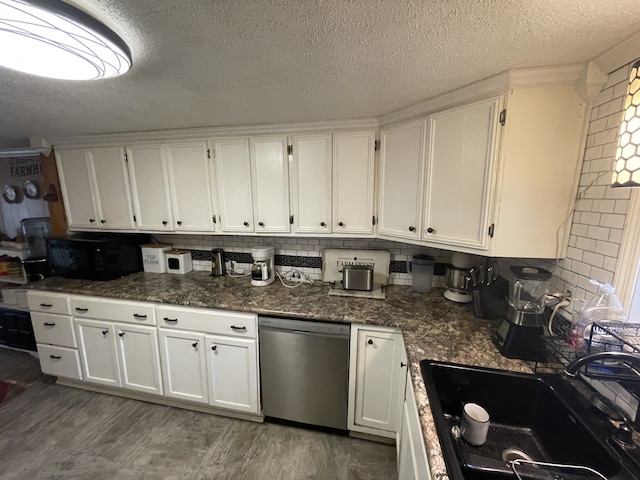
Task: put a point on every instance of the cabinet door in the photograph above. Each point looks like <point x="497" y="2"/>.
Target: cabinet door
<point x="233" y="373"/>
<point x="190" y="186"/>
<point x="112" y="191"/>
<point x="402" y="157"/>
<point x="139" y="358"/>
<point x="460" y="168"/>
<point x="353" y="175"/>
<point x="150" y="187"/>
<point x="311" y="168"/>
<point x="412" y="463"/>
<point x="184" y="365"/>
<point x="270" y="184"/>
<point x="379" y="377"/>
<point x="233" y="174"/>
<point x="75" y="182"/>
<point x="97" y="345"/>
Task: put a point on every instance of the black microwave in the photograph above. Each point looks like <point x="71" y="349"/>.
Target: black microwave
<point x="95" y="257"/>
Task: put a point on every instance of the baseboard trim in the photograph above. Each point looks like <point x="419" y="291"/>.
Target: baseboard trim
<point x="161" y="400"/>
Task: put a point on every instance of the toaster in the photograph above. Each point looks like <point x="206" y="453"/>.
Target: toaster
<point x="357" y="277"/>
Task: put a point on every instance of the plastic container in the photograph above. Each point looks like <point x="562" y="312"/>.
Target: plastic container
<point x="603" y="307"/>
<point x="421" y="269"/>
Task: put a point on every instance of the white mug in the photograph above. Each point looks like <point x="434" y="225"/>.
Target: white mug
<point x="474" y="425"/>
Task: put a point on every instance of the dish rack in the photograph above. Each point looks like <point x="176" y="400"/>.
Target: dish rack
<point x="605" y="336"/>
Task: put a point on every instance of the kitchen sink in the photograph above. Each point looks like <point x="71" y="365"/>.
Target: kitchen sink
<point x="539" y="418"/>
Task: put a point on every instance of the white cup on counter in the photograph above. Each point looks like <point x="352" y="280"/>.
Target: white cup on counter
<point x="474" y="425"/>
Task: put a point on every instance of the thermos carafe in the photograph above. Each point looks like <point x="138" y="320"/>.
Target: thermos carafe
<point x="217" y="262"/>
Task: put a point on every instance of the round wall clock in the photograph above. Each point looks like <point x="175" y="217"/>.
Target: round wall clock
<point x="9" y="194"/>
<point x="31" y="190"/>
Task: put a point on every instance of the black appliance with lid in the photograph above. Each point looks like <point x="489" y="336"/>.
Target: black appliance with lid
<point x="519" y="335"/>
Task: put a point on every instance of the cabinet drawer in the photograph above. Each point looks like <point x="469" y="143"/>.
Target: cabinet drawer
<point x="48" y="302"/>
<point x="113" y="309"/>
<point x="60" y="361"/>
<point x="208" y="321"/>
<point x="54" y="329"/>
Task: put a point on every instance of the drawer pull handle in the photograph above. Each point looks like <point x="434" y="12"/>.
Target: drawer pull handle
<point x="167" y="319"/>
<point x="104" y="332"/>
<point x="194" y="344"/>
<point x="55" y="357"/>
<point x="46" y="305"/>
<point x="239" y="328"/>
<point x="83" y="310"/>
<point x="49" y="324"/>
<point x="121" y="334"/>
<point x="137" y="315"/>
<point x="214" y="348"/>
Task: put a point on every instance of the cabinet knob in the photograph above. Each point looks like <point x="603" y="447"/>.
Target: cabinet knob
<point x="402" y="364"/>
<point x="412" y="228"/>
<point x="214" y="347"/>
<point x="92" y="220"/>
<point x="194" y="344"/>
<point x="164" y="222"/>
<point x="121" y="334"/>
<point x="246" y="224"/>
<point x="104" y="332"/>
<point x="370" y="342"/>
<point x="430" y="230"/>
<point x="261" y="224"/>
<point x="322" y="224"/>
<point x="340" y="224"/>
<point x="103" y="221"/>
<point x="179" y="222"/>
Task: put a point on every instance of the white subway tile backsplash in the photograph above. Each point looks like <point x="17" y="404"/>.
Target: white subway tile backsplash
<point x="612" y="220"/>
<point x="610" y="263"/>
<point x="615" y="235"/>
<point x="593" y="259"/>
<point x="609" y="249"/>
<point x="606" y="95"/>
<point x="609" y="108"/>
<point x="601" y="275"/>
<point x="581" y="268"/>
<point x="574" y="253"/>
<point x="598" y="233"/>
<point x="618" y="76"/>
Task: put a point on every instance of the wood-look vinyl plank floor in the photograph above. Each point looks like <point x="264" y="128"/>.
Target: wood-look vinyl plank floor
<point x="59" y="433"/>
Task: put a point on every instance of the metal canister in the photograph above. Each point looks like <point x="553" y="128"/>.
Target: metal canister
<point x="217" y="262"/>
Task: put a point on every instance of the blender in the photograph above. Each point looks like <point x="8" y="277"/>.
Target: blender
<point x="520" y="333"/>
<point x="262" y="270"/>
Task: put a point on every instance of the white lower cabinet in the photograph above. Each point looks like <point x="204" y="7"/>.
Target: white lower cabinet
<point x="233" y="373"/>
<point x="378" y="368"/>
<point x="139" y="358"/>
<point x="97" y="345"/>
<point x="184" y="367"/>
<point x="412" y="459"/>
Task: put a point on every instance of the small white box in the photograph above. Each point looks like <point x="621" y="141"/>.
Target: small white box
<point x="179" y="261"/>
<point x="21" y="297"/>
<point x="9" y="296"/>
<point x="154" y="257"/>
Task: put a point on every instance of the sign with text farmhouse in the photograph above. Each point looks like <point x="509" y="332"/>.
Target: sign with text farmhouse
<point x="24" y="167"/>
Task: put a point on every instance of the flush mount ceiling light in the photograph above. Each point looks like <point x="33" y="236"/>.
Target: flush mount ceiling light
<point x="52" y="39"/>
<point x="627" y="168"/>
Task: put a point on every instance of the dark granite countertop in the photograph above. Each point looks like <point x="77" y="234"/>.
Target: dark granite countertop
<point x="432" y="327"/>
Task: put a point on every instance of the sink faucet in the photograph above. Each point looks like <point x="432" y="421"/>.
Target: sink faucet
<point x="572" y="368"/>
<point x="624" y="433"/>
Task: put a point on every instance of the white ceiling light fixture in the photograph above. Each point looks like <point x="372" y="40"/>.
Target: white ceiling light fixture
<point x="50" y="38"/>
<point x="626" y="172"/>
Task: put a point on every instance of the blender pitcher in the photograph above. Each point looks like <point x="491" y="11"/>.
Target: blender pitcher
<point x="527" y="291"/>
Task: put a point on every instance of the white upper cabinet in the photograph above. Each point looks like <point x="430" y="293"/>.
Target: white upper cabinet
<point x="459" y="174"/>
<point x="191" y="195"/>
<point x="353" y="183"/>
<point x="233" y="175"/>
<point x="402" y="158"/>
<point x="311" y="166"/>
<point x="270" y="170"/>
<point x="75" y="182"/>
<point x="95" y="187"/>
<point x="150" y="187"/>
<point x="171" y="186"/>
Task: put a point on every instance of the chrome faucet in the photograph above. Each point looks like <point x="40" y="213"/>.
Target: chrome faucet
<point x="622" y="357"/>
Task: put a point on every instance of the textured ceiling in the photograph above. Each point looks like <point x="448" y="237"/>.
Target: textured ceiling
<point x="240" y="62"/>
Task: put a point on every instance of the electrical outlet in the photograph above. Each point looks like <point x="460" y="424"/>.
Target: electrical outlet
<point x="295" y="274"/>
<point x="570" y="294"/>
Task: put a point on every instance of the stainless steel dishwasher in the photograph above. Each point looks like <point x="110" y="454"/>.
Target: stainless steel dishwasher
<point x="304" y="369"/>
